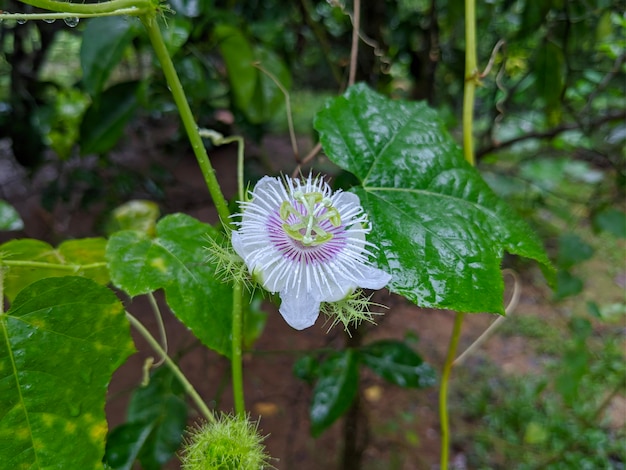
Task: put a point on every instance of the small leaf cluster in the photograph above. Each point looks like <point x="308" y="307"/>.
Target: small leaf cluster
<point x="337" y="376"/>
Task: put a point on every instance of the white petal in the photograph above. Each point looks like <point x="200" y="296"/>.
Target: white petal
<point x="332" y="285"/>
<point x="345" y="202"/>
<point x="299" y="311"/>
<point x="373" y="278"/>
<point x="240" y="248"/>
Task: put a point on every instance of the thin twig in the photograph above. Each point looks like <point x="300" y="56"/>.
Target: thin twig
<point x="310" y="156"/>
<point x="189" y="389"/>
<point x="492" y="59"/>
<point x="492" y="328"/>
<point x="354" y="52"/>
<point x="292" y="132"/>
<point x="161" y="327"/>
<point x="550" y="133"/>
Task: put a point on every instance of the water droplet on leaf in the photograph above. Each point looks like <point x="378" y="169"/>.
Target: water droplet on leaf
<point x="49" y="20"/>
<point x="71" y="21"/>
<point x="21" y="21"/>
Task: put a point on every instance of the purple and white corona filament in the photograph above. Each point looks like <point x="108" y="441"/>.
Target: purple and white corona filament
<point x="305" y="242"/>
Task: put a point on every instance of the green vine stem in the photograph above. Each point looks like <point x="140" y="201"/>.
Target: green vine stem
<point x="63" y="16"/>
<point x="204" y="409"/>
<point x="471" y="80"/>
<point x="158" y="317"/>
<point x="236" y="360"/>
<point x="443" y="390"/>
<point x="130" y="7"/>
<point x="219" y="139"/>
<point x="75" y="268"/>
<point x="154" y="33"/>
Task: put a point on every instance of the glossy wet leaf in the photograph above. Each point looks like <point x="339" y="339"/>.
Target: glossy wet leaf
<point x="10" y="220"/>
<point x="60" y="343"/>
<point x="157" y="416"/>
<point x="175" y="260"/>
<point x="104" y="42"/>
<point x="334" y="392"/>
<point x="440" y="230"/>
<point x="106" y="118"/>
<point x="397" y="363"/>
<point x="86" y="255"/>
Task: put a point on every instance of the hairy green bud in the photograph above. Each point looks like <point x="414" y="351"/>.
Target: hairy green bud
<point x="352" y="310"/>
<point x="230" y="443"/>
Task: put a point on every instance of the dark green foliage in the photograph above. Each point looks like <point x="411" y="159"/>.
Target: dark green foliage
<point x="337" y="376"/>
<point x="337" y="385"/>
<point x="106" y="118"/>
<point x="398" y="363"/>
<point x="155" y="423"/>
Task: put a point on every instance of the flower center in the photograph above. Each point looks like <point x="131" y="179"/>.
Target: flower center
<point x="309" y="211"/>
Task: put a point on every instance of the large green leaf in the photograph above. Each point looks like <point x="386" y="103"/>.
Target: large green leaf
<point x="334" y="392"/>
<point x="440" y="230"/>
<point x="60" y="343"/>
<point x="86" y="255"/>
<point x="397" y="363"/>
<point x="157" y="416"/>
<point x="176" y="261"/>
<point x="102" y="47"/>
<point x="9" y="218"/>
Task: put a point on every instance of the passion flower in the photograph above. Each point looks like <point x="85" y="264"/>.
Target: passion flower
<point x="305" y="242"/>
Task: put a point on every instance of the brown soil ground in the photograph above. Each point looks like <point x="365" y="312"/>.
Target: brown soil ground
<point x="403" y="424"/>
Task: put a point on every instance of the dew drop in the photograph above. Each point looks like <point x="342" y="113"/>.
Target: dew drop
<point x="49" y="20"/>
<point x="21" y="21"/>
<point x="71" y="21"/>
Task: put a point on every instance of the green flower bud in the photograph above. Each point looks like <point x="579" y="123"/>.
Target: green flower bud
<point x="230" y="443"/>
